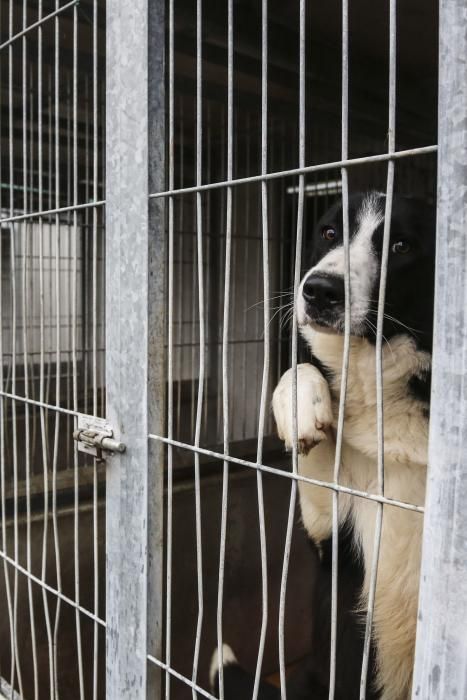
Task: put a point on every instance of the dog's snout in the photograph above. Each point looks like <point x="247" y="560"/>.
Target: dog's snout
<point x="324" y="291"/>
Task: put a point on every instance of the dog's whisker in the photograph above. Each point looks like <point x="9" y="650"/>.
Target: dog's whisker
<point x="279" y="309"/>
<point x="262" y="301"/>
<point x="373" y="328"/>
<point x="395" y="320"/>
<point x="286" y="319"/>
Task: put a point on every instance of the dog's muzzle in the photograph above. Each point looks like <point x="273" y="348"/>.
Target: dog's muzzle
<point x="324" y="297"/>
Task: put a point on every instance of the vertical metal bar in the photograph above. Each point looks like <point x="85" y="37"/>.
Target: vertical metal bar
<point x="379" y="346"/>
<point x="3" y="423"/>
<point x="282" y="257"/>
<point x="266" y="344"/>
<point x="170" y="310"/>
<point x="58" y="359"/>
<point x="215" y="308"/>
<point x="193" y="336"/>
<point x="42" y="412"/>
<point x="102" y="96"/>
<point x="67" y="248"/>
<point x="86" y="248"/>
<point x="225" y="345"/>
<point x="246" y="253"/>
<point x="181" y="249"/>
<point x="74" y="348"/>
<point x="26" y="358"/>
<point x="202" y="341"/>
<point x="95" y="196"/>
<point x="50" y="226"/>
<point x="31" y="289"/>
<point x="297" y="271"/>
<point x="132" y="558"/>
<point x="346" y="349"/>
<point x="211" y="338"/>
<point x="441" y="658"/>
<point x="15" y="657"/>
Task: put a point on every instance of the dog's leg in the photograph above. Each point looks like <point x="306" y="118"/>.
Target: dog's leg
<point x="314" y="409"/>
<point x="314" y="420"/>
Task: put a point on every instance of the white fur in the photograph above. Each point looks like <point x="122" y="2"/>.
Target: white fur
<point x="363" y="263"/>
<point x="405" y="451"/>
<point x="228" y="658"/>
<point x="312" y="424"/>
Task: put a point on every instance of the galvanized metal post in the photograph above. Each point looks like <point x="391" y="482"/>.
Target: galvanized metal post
<point x="134" y="370"/>
<point x="441" y="652"/>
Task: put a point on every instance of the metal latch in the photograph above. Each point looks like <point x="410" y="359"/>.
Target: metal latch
<point x="95" y="437"/>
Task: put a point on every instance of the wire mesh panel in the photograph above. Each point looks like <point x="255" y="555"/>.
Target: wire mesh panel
<point x="52" y="344"/>
<point x="256" y="155"/>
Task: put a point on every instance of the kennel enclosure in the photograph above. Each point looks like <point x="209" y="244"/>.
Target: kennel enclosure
<point x="160" y="165"/>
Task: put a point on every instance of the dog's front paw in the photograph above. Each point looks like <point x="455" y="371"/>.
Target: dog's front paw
<point x="314" y="409"/>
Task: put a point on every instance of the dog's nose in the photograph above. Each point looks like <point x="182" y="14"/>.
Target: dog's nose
<point x="324" y="291"/>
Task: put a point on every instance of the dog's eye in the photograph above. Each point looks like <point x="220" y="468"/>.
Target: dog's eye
<point x="328" y="233"/>
<point x="400" y="247"/>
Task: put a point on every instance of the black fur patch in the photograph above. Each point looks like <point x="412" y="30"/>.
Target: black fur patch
<point x="420" y="388"/>
<point x="310" y="681"/>
<point x="350" y="626"/>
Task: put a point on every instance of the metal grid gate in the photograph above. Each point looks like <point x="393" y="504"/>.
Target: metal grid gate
<point x="180" y="198"/>
<point x="51" y="348"/>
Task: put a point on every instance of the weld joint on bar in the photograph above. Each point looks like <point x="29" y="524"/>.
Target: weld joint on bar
<point x="37" y="24"/>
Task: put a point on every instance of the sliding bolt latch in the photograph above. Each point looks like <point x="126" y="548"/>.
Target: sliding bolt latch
<point x="95" y="437"/>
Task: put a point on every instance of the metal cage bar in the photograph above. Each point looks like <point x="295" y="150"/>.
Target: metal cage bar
<point x="225" y="349"/>
<point x="133" y="284"/>
<point x="441" y="650"/>
<point x="266" y="342"/>
<point x="296" y="283"/>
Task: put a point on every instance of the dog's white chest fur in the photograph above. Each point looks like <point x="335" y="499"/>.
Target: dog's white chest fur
<point x="405" y="422"/>
<point x="405" y="451"/>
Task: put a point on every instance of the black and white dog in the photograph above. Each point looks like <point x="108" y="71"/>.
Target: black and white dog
<point x="408" y="329"/>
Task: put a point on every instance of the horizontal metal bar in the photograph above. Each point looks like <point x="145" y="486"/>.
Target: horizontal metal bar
<point x="41" y="404"/>
<point x="319" y="188"/>
<point x="180" y="677"/>
<point x="38" y="23"/>
<point x="299" y="477"/>
<point x="49" y="212"/>
<point x="50" y="589"/>
<point x="380" y="158"/>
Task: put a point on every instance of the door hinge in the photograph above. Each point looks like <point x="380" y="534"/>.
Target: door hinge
<point x="95" y="437"/>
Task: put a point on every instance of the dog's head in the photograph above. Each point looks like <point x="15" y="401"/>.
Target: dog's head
<point x="410" y="274"/>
